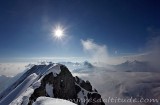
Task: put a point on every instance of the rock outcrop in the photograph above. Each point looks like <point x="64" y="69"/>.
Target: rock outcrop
<point x="68" y="87"/>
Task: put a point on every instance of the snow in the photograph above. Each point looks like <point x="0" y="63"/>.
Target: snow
<point x="55" y="69"/>
<point x="20" y="94"/>
<point x="19" y="90"/>
<point x="49" y="90"/>
<point x="23" y="98"/>
<point x="51" y="101"/>
<point x="82" y="95"/>
<point x="4" y="82"/>
<point x="36" y="84"/>
<point x="108" y="83"/>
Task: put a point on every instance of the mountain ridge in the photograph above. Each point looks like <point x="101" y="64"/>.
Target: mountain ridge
<point x="52" y="80"/>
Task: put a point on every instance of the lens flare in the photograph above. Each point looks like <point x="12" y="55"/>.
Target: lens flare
<point x="58" y="32"/>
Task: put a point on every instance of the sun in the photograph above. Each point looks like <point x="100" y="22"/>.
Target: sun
<point x="58" y="32"/>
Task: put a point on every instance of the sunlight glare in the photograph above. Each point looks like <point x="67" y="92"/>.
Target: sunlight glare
<point x="58" y="32"/>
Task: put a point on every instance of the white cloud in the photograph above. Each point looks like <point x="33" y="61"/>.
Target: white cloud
<point x="18" y="65"/>
<point x="153" y="52"/>
<point x="97" y="53"/>
<point x="12" y="69"/>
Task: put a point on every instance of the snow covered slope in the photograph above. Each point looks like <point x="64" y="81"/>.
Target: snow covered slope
<point x="51" y="101"/>
<point x="3" y="82"/>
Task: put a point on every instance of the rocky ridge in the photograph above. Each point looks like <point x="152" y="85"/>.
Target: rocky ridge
<point x="54" y="81"/>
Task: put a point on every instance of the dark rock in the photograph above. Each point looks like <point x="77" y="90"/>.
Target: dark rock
<point x="63" y="83"/>
<point x="86" y="85"/>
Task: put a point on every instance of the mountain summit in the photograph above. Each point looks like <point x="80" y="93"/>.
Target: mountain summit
<point x="50" y="82"/>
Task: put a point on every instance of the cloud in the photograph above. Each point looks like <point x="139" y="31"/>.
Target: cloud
<point x="12" y="69"/>
<point x="153" y="52"/>
<point x="121" y="84"/>
<point x="97" y="53"/>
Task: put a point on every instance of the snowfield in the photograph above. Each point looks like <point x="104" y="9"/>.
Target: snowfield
<point x="51" y="101"/>
<point x="19" y="90"/>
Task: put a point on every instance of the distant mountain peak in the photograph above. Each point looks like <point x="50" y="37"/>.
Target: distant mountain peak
<point x="135" y="66"/>
<point x="87" y="64"/>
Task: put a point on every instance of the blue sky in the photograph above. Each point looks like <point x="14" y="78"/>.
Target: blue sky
<point x="124" y="26"/>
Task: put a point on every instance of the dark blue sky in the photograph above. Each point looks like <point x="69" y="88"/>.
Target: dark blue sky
<point x="122" y="25"/>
